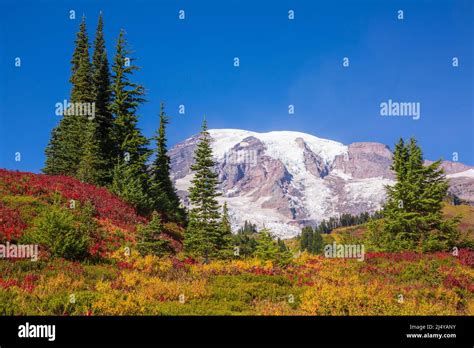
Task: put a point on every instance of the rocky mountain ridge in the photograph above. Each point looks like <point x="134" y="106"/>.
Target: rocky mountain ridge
<point x="284" y="180"/>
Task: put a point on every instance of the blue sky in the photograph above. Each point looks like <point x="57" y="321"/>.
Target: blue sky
<point x="282" y="62"/>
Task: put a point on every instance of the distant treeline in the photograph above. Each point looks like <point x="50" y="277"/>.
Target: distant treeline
<point x="311" y="239"/>
<point x="345" y="220"/>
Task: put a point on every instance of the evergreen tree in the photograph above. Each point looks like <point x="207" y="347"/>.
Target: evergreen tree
<point x="65" y="149"/>
<point x="99" y="144"/>
<point x="128" y="186"/>
<point x="316" y="243"/>
<point x="248" y="228"/>
<point x="266" y="248"/>
<point x="269" y="249"/>
<point x="311" y="240"/>
<point x="163" y="192"/>
<point x="225" y="222"/>
<point x="126" y="98"/>
<point x="245" y="239"/>
<point x="306" y="238"/>
<point x="149" y="241"/>
<point x="413" y="216"/>
<point x="131" y="152"/>
<point x="226" y="236"/>
<point x="204" y="235"/>
<point x="55" y="160"/>
<point x="91" y="167"/>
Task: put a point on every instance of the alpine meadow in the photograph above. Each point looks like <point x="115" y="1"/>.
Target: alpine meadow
<point x="237" y="162"/>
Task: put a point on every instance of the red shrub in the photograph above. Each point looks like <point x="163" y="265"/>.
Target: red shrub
<point x="189" y="261"/>
<point x="463" y="282"/>
<point x="11" y="224"/>
<point x="7" y="283"/>
<point x="106" y="204"/>
<point x="466" y="257"/>
<point x="28" y="283"/>
<point x="405" y="256"/>
<point x="118" y="218"/>
<point x="124" y="265"/>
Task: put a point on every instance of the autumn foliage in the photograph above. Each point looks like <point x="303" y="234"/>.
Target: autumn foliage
<point x="24" y="195"/>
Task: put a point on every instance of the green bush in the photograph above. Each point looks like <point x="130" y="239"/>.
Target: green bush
<point x="268" y="248"/>
<point x="63" y="233"/>
<point x="149" y="241"/>
<point x="8" y="303"/>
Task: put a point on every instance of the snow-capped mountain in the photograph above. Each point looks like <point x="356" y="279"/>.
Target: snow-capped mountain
<point x="285" y="180"/>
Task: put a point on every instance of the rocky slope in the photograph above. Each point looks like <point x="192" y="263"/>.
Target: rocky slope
<point x="285" y="180"/>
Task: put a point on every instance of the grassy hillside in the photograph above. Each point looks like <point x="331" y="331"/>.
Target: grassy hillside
<point x="384" y="284"/>
<point x="25" y="196"/>
<point x="466" y="224"/>
<point x="118" y="283"/>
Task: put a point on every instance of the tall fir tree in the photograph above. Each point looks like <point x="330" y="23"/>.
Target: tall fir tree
<point x="130" y="178"/>
<point x="127" y="96"/>
<point x="92" y="165"/>
<point x="98" y="158"/>
<point x="306" y="238"/>
<point x="226" y="239"/>
<point x="162" y="190"/>
<point x="204" y="235"/>
<point x="311" y="240"/>
<point x="317" y="243"/>
<point x="225" y="220"/>
<point x="65" y="149"/>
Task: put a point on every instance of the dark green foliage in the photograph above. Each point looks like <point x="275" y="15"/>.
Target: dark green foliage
<point x="162" y="190"/>
<point x="65" y="149"/>
<point x="311" y="240"/>
<point x="127" y="97"/>
<point x="63" y="233"/>
<point x="306" y="238"/>
<point x="128" y="186"/>
<point x="204" y="235"/>
<point x="345" y="220"/>
<point x="248" y="228"/>
<point x="226" y="237"/>
<point x="413" y="212"/>
<point x="268" y="248"/>
<point x="98" y="157"/>
<point x="149" y="241"/>
<point x="55" y="162"/>
<point x="92" y="165"/>
<point x="225" y="222"/>
<point x="245" y="239"/>
<point x="130" y="178"/>
<point x="107" y="148"/>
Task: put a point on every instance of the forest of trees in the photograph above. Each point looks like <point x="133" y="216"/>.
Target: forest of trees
<point x="109" y="149"/>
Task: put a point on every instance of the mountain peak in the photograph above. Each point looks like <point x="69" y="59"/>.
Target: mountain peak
<point x="286" y="179"/>
<point x="282" y="145"/>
